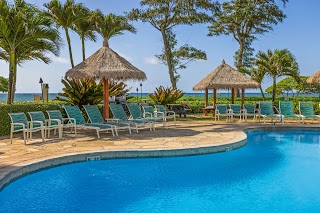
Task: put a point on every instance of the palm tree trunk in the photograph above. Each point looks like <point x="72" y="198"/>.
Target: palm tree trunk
<point x="168" y="55"/>
<point x="83" y="48"/>
<point x="11" y="76"/>
<point x="69" y="46"/>
<point x="262" y="93"/>
<point x="274" y="91"/>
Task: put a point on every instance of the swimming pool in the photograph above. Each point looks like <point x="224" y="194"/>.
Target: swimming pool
<point x="276" y="171"/>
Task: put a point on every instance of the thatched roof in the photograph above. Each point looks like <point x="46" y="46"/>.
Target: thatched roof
<point x="105" y="63"/>
<point x="314" y="79"/>
<point x="226" y="77"/>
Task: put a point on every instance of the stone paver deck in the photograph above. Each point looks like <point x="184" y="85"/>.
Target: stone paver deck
<point x="187" y="138"/>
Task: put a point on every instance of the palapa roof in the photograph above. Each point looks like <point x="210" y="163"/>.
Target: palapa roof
<point x="105" y="63"/>
<point x="226" y="77"/>
<point x="314" y="79"/>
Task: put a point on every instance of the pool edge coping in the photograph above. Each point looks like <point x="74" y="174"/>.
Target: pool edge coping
<point x="68" y="158"/>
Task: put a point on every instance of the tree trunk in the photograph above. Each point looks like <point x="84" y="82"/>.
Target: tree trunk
<point x="262" y="93"/>
<point x="69" y="46"/>
<point x="274" y="92"/>
<point x="11" y="76"/>
<point x="83" y="48"/>
<point x="240" y="56"/>
<point x="168" y="56"/>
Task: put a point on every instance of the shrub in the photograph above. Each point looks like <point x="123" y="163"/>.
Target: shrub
<point x="166" y="96"/>
<point x="22" y="107"/>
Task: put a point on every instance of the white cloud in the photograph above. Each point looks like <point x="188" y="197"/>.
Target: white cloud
<point x="59" y="60"/>
<point x="151" y="60"/>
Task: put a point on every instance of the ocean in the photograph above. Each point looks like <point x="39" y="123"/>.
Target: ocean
<point x="19" y="97"/>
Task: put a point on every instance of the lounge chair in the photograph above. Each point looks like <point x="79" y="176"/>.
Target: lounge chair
<point x="48" y="124"/>
<point x="65" y="122"/>
<point x="266" y="111"/>
<point x="149" y="113"/>
<point x="75" y="113"/>
<point x="306" y="110"/>
<point x="120" y="115"/>
<point x="286" y="111"/>
<point x="20" y="123"/>
<point x="222" y="110"/>
<point x="137" y="114"/>
<point x="235" y="110"/>
<point x="162" y="112"/>
<point x="95" y="116"/>
<point x="250" y="110"/>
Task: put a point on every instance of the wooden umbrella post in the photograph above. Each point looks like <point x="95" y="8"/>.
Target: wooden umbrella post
<point x="232" y="95"/>
<point x="105" y="98"/>
<point x="242" y="99"/>
<point x="207" y="97"/>
<point x="214" y="101"/>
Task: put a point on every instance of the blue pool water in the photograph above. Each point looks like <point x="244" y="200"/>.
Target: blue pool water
<point x="275" y="172"/>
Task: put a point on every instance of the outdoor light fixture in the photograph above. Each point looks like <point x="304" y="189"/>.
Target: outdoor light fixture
<point x="141" y="91"/>
<point x="41" y="82"/>
<point x="137" y="94"/>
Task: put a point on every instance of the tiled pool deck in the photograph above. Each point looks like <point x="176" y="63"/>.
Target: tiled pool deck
<point x="186" y="138"/>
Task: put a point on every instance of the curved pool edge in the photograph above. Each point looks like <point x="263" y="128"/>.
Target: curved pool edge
<point x="18" y="171"/>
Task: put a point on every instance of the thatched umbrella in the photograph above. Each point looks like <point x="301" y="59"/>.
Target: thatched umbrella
<point x="314" y="79"/>
<point x="225" y="77"/>
<point x="106" y="64"/>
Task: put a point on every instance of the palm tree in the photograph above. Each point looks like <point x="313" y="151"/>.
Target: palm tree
<point x="257" y="74"/>
<point x="276" y="64"/>
<point x="84" y="25"/>
<point x="63" y="15"/>
<point x="111" y="25"/>
<point x="24" y="35"/>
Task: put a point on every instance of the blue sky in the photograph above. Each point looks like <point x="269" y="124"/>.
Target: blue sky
<point x="300" y="33"/>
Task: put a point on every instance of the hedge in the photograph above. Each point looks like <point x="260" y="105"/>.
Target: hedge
<point x="22" y="107"/>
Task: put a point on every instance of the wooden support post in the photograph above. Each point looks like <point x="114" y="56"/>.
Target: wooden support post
<point x="207" y="97"/>
<point x="105" y="98"/>
<point x="214" y="97"/>
<point x="232" y="95"/>
<point x="242" y="99"/>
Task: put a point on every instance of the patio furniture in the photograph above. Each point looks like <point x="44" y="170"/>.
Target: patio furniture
<point x="48" y="124"/>
<point x="65" y="122"/>
<point x="178" y="109"/>
<point x="161" y="111"/>
<point x="75" y="113"/>
<point x="120" y="115"/>
<point x="137" y="114"/>
<point x="250" y="110"/>
<point x="266" y="111"/>
<point x="207" y="109"/>
<point x="149" y="113"/>
<point x="286" y="111"/>
<point x="222" y="110"/>
<point x="306" y="110"/>
<point x="20" y="123"/>
<point x="95" y="116"/>
<point x="235" y="110"/>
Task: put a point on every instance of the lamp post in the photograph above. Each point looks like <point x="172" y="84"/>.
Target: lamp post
<point x="137" y="94"/>
<point x="41" y="82"/>
<point x="141" y="91"/>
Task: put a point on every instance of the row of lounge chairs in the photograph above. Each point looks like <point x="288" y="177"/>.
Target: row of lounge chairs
<point x="266" y="110"/>
<point x="146" y="118"/>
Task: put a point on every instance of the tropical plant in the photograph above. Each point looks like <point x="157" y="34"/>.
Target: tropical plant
<point x="81" y="92"/>
<point x="3" y="84"/>
<point x="182" y="56"/>
<point x="290" y="84"/>
<point x="245" y="20"/>
<point x="85" y="91"/>
<point x="165" y="15"/>
<point x="63" y="15"/>
<point x="276" y="64"/>
<point x="111" y="25"/>
<point x="166" y="96"/>
<point x="84" y="25"/>
<point x="256" y="74"/>
<point x="24" y="35"/>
